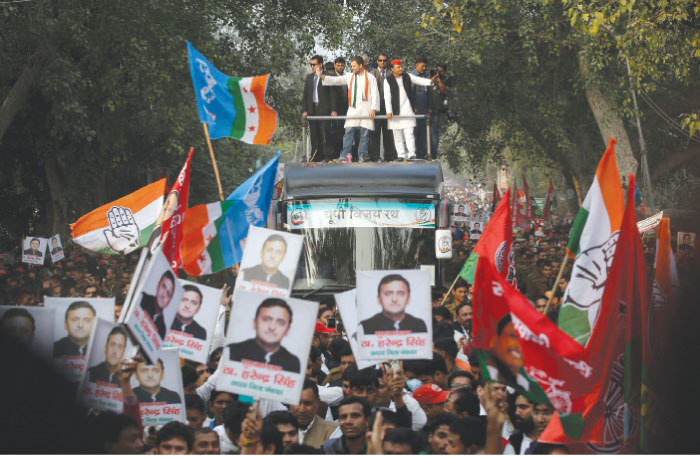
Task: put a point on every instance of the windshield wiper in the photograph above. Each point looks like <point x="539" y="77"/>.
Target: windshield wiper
<point x="327" y="286"/>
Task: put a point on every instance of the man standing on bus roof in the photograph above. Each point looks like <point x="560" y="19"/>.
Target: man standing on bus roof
<point x="393" y="295"/>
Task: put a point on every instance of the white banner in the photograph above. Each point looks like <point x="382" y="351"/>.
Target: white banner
<point x="361" y="214"/>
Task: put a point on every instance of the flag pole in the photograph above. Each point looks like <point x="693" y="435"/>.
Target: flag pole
<point x="213" y="160"/>
<point x="556" y="283"/>
<point x="450" y="290"/>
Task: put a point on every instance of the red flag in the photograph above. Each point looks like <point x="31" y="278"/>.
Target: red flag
<point x="520" y="220"/>
<point x="175" y="207"/>
<point x="496" y="197"/>
<point x="615" y="344"/>
<point x="514" y="206"/>
<point x="548" y="204"/>
<point x="529" y="210"/>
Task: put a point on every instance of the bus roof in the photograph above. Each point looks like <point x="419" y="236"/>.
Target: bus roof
<point x="411" y="180"/>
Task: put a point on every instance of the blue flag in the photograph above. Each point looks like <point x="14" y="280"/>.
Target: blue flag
<point x="214" y="99"/>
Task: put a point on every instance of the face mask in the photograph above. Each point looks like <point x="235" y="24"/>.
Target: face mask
<point x="413" y="384"/>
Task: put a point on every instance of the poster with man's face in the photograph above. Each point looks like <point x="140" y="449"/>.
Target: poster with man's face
<point x="267" y="346"/>
<point x="158" y="387"/>
<point x="269" y="262"/>
<point x="99" y="385"/>
<point x="56" y="248"/>
<point x="686" y="241"/>
<point x="33" y="250"/>
<point x="475" y="230"/>
<point x="193" y="326"/>
<point x="347" y="306"/>
<point x="394" y="314"/>
<point x="31" y="325"/>
<point x="73" y="324"/>
<point x="154" y="306"/>
<point x="460" y="212"/>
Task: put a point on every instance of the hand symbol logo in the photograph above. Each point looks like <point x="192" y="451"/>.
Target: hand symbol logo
<point x="123" y="233"/>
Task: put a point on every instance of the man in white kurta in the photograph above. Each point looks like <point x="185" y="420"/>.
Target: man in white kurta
<point x="402" y="128"/>
<point x="363" y="100"/>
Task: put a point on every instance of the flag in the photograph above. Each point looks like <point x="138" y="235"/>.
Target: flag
<point x="665" y="289"/>
<point x="123" y="225"/>
<point x="496" y="244"/>
<point x="514" y="206"/>
<point x="529" y="209"/>
<point x="546" y="212"/>
<point x="496" y="197"/>
<point x="232" y="106"/>
<point x="520" y="219"/>
<point x="176" y="205"/>
<point x="213" y="233"/>
<point x="615" y="348"/>
<point x="592" y="242"/>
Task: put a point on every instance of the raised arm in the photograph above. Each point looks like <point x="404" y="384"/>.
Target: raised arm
<point x="331" y="80"/>
<point x="418" y="81"/>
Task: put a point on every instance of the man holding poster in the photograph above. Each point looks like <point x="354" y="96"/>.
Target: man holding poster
<point x="393" y="295"/>
<point x="273" y="319"/>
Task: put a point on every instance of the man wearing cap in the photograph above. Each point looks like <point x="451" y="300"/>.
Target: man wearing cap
<point x="399" y="101"/>
<point x="431" y="398"/>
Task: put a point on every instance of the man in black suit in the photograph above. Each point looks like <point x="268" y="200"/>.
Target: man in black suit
<point x="108" y="371"/>
<point x="341" y="107"/>
<point x="317" y="101"/>
<point x="56" y="248"/>
<point x="273" y="251"/>
<point x="155" y="306"/>
<point x="33" y="247"/>
<point x="273" y="319"/>
<point x="149" y="389"/>
<point x="190" y="305"/>
<point x="80" y="317"/>
<point x="393" y="295"/>
<point x="380" y="125"/>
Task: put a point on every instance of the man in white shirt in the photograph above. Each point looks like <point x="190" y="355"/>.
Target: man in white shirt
<point x="398" y="99"/>
<point x="363" y="100"/>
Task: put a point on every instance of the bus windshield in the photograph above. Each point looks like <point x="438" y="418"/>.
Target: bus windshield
<point x="344" y="236"/>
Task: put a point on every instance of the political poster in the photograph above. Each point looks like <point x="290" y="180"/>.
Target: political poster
<point x="347" y="306"/>
<point x="158" y="387"/>
<point x="686" y="242"/>
<point x="460" y="212"/>
<point x="99" y="385"/>
<point x="193" y="326"/>
<point x="56" y="248"/>
<point x="267" y="346"/>
<point x="269" y="262"/>
<point x="73" y="322"/>
<point x="394" y="314"/>
<point x="31" y="325"/>
<point x="33" y="250"/>
<point x="154" y="306"/>
<point x="475" y="230"/>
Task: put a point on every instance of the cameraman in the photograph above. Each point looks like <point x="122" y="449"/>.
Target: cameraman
<point x="438" y="107"/>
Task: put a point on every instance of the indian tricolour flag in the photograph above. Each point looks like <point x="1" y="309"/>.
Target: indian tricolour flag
<point x="231" y="106"/>
<point x="592" y="244"/>
<point x="123" y="225"/>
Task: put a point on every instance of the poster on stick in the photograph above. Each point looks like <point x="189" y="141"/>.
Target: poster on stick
<point x="347" y="307"/>
<point x="99" y="385"/>
<point x="73" y="322"/>
<point x="154" y="306"/>
<point x="267" y="346"/>
<point x="394" y="314"/>
<point x="193" y="326"/>
<point x="33" y="250"/>
<point x="269" y="262"/>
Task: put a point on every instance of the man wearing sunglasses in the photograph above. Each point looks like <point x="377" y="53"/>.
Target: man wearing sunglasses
<point x="381" y="133"/>
<point x="317" y="101"/>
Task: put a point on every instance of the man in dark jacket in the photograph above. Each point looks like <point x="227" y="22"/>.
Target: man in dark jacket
<point x="317" y="101"/>
<point x="394" y="294"/>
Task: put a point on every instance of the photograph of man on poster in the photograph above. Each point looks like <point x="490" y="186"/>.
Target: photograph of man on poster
<point x="393" y="296"/>
<point x="272" y="255"/>
<point x="685" y="242"/>
<point x="155" y="306"/>
<point x="149" y="389"/>
<point x="33" y="248"/>
<point x="19" y="324"/>
<point x="190" y="304"/>
<point x="272" y="322"/>
<point x="55" y="246"/>
<point x="108" y="371"/>
<point x="506" y="354"/>
<point x="80" y="317"/>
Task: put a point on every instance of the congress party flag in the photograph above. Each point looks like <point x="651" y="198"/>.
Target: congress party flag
<point x="213" y="233"/>
<point x="122" y="226"/>
<point x="592" y="243"/>
<point x="231" y="106"/>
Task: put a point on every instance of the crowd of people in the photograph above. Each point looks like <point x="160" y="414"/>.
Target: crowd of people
<point x="366" y="91"/>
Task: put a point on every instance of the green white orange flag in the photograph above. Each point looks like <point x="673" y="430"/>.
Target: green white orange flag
<point x="123" y="225"/>
<point x="592" y="243"/>
<point x="201" y="248"/>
